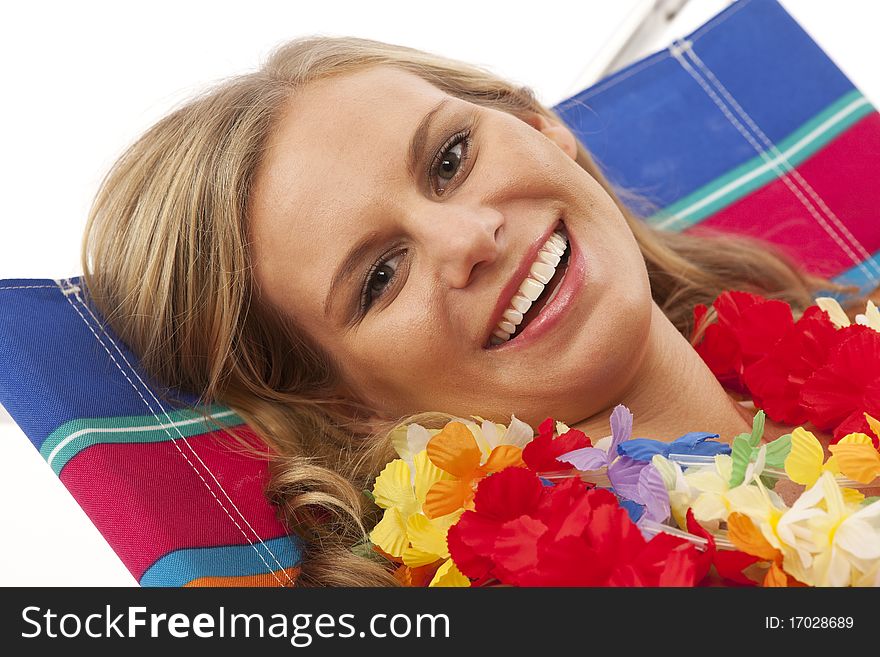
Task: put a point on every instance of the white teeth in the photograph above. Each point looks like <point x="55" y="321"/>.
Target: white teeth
<point x="542" y="272"/>
<point x="549" y="258"/>
<point x="558" y="241"/>
<point x="531" y="289"/>
<point x="513" y="316"/>
<point x="556" y="248"/>
<point x="520" y="303"/>
<point x="504" y="325"/>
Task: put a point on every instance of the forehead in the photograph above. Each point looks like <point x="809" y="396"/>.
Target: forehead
<point x="338" y="147"/>
<point x="341" y="134"/>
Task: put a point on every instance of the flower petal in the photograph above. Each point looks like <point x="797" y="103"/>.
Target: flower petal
<point x="621" y="428"/>
<point x="804" y="462"/>
<point x="518" y="433"/>
<point x="653" y="494"/>
<point x="455" y="450"/>
<point x="857" y="461"/>
<point x="585" y="458"/>
<point x="389" y="534"/>
<point x="448" y="575"/>
<point x="448" y="496"/>
<point x="428" y="539"/>
<point x="426" y="475"/>
<point x="393" y="489"/>
<point x="747" y="538"/>
<point x="503" y="456"/>
<point x="835" y="312"/>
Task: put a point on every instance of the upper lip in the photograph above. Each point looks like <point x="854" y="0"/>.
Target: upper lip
<point x="516" y="279"/>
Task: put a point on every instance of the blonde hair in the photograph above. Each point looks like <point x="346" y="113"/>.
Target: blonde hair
<point x="165" y="259"/>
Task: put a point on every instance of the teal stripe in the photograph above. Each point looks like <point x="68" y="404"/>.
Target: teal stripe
<point x="183" y="566"/>
<point x="757" y="172"/>
<point x="72" y="437"/>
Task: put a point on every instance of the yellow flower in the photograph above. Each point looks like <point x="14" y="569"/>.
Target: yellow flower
<point x="715" y="499"/>
<point x="854" y="457"/>
<point x="805" y="462"/>
<point x="405" y="532"/>
<point x="857" y="457"/>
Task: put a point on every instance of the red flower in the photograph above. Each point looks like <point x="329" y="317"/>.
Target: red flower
<point x="775" y="380"/>
<point x="848" y="383"/>
<point x="527" y="534"/>
<point x="856" y="423"/>
<point x="540" y="454"/>
<point x="748" y="327"/>
<point x="729" y="564"/>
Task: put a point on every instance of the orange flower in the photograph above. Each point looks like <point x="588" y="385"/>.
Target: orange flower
<point x="454" y="450"/>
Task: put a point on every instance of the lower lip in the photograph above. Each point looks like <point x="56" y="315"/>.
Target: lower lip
<point x="553" y="312"/>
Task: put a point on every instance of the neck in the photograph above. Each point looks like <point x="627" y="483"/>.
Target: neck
<point x="672" y="393"/>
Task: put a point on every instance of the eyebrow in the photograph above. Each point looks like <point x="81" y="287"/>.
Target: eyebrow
<point x="365" y="245"/>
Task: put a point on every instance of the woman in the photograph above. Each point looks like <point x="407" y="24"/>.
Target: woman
<point x="360" y="232"/>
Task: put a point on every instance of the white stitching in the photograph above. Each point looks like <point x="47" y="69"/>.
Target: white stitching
<point x="792" y="169"/>
<point x="175" y="441"/>
<point x="27" y="287"/>
<point x="191" y="449"/>
<point x="676" y="52"/>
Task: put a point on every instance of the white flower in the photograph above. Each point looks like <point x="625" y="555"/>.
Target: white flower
<point x="827" y="541"/>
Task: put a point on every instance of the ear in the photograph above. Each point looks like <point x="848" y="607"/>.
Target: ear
<point x="555" y="131"/>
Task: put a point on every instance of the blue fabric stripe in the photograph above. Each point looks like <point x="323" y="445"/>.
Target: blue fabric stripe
<point x="856" y="275"/>
<point x="648" y="125"/>
<point x="55" y="370"/>
<point x="183" y="566"/>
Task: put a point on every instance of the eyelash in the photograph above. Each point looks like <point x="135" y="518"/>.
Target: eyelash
<point x="366" y="298"/>
<point x="366" y="301"/>
<point x="456" y="139"/>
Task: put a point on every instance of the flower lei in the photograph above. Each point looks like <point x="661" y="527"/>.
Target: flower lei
<point x="820" y="369"/>
<point x="479" y="503"/>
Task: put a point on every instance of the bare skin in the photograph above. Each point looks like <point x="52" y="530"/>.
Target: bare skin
<point x="335" y="172"/>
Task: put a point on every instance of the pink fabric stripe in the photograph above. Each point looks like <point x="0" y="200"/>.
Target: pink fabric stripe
<point x="844" y="175"/>
<point x="147" y="501"/>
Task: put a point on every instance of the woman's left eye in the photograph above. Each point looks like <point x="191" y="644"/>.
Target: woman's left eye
<point x="378" y="279"/>
<point x="449" y="160"/>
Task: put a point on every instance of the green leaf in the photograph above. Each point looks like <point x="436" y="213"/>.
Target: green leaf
<point x="757" y="429"/>
<point x="768" y="480"/>
<point x="741" y="453"/>
<point x="778" y="451"/>
<point x="369" y="495"/>
<point x="365" y="549"/>
<point x="870" y="500"/>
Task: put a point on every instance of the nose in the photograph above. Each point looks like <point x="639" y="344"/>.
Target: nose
<point x="459" y="240"/>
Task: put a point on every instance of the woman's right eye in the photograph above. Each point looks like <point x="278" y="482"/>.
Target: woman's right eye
<point x="379" y="277"/>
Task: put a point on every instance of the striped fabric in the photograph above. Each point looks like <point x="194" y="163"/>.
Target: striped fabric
<point x="178" y="498"/>
<point x="744" y="126"/>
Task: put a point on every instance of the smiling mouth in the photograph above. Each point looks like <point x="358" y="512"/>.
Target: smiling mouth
<point x="537" y="290"/>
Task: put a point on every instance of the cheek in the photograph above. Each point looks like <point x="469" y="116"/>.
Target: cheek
<point x="391" y="361"/>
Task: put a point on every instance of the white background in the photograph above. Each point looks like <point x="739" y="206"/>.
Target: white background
<point x="82" y="79"/>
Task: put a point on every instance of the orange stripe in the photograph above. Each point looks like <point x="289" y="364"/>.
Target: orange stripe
<point x="260" y="579"/>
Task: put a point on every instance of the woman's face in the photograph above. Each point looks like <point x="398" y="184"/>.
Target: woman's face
<point x="402" y="269"/>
